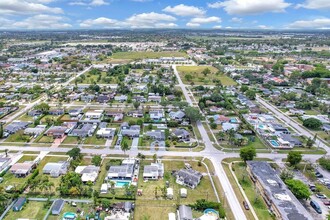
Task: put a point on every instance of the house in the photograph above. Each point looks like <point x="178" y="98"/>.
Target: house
<point x="154" y="98"/>
<point x="156" y="115"/>
<point x="178" y="115"/>
<point x="18" y="205"/>
<point x="135" y="114"/>
<point x="106" y="133"/>
<point x="220" y="119"/>
<point x="294" y="142"/>
<point x="130" y="131"/>
<point x="83" y="130"/>
<point x="283" y="204"/>
<point x="278" y="129"/>
<point x="75" y="112"/>
<point x="57" y="206"/>
<point x="35" y="113"/>
<point x="118" y="117"/>
<point x="158" y="135"/>
<point x="22" y="169"/>
<point x="229" y="126"/>
<point x="36" y="130"/>
<point x="88" y="173"/>
<point x="96" y="114"/>
<point x="87" y="98"/>
<point x="56" y="112"/>
<point x="121" y="98"/>
<point x="125" y="171"/>
<point x="56" y="131"/>
<point x="188" y="177"/>
<point x="296" y="111"/>
<point x="4" y="163"/>
<point x="185" y="213"/>
<point x="181" y="134"/>
<point x="154" y="171"/>
<point x="56" y="169"/>
<point x="16" y="126"/>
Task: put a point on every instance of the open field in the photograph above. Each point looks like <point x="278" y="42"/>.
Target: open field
<point x="198" y="78"/>
<point x="31" y="210"/>
<point x="134" y="55"/>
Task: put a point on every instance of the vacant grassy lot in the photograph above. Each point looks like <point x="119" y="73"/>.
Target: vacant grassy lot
<point x="70" y="140"/>
<point x="197" y="77"/>
<point x="94" y="140"/>
<point x="135" y="55"/>
<point x="91" y="79"/>
<point x="46" y="139"/>
<point x="31" y="210"/>
<point x="18" y="137"/>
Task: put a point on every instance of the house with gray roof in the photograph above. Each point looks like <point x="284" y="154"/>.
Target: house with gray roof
<point x="181" y="134"/>
<point x="188" y="177"/>
<point x="56" y="112"/>
<point x="57" y="206"/>
<point x="294" y="142"/>
<point x="125" y="171"/>
<point x="156" y="115"/>
<point x="280" y="200"/>
<point x="185" y="213"/>
<point x="55" y="169"/>
<point x="178" y="115"/>
<point x="83" y="130"/>
<point x="130" y="131"/>
<point x="158" y="135"/>
<point x="16" y="126"/>
<point x="154" y="171"/>
<point x="36" y="130"/>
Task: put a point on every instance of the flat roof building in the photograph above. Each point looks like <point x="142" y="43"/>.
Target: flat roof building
<point x="277" y="196"/>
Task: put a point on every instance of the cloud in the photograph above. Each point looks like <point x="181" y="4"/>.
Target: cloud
<point x="236" y="20"/>
<point x="102" y="21"/>
<point x="315" y="4"/>
<point x="89" y="3"/>
<point x="192" y="24"/>
<point x="204" y="20"/>
<point x="25" y="7"/>
<point x="250" y="7"/>
<point x="217" y="27"/>
<point x="185" y="10"/>
<point x="42" y="21"/>
<point x="319" y="23"/>
<point x="144" y="20"/>
<point x="264" y="26"/>
<point x="5" y="23"/>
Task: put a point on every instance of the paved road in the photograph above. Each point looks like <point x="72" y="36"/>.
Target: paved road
<point x="290" y="122"/>
<point x="209" y="148"/>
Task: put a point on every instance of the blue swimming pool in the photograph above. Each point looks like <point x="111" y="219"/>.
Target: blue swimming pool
<point x="120" y="184"/>
<point x="261" y="126"/>
<point x="274" y="143"/>
<point x="233" y="120"/>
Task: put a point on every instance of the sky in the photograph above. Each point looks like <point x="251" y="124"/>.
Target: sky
<point x="189" y="14"/>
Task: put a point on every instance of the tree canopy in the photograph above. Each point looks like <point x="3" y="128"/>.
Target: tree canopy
<point x="247" y="153"/>
<point x="294" y="158"/>
<point x="193" y="114"/>
<point x="312" y="123"/>
<point x="298" y="188"/>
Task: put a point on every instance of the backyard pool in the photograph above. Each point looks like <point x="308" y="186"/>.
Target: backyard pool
<point x="233" y="120"/>
<point x="69" y="216"/>
<point x="121" y="184"/>
<point x="274" y="143"/>
<point x="261" y="126"/>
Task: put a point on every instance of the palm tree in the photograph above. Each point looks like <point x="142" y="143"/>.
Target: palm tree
<point x="231" y="136"/>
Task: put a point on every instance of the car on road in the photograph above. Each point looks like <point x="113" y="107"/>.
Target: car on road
<point x="320" y="196"/>
<point x="318" y="174"/>
<point x="246" y="206"/>
<point x="326" y="202"/>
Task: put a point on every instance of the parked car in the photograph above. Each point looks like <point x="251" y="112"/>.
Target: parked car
<point x="316" y="206"/>
<point x="246" y="206"/>
<point x="326" y="202"/>
<point x="319" y="175"/>
<point x="320" y="196"/>
<point x="312" y="187"/>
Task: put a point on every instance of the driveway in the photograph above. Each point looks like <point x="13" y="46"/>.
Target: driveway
<point x="135" y="143"/>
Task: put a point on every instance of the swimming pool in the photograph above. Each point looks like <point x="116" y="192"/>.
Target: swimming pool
<point x="261" y="126"/>
<point x="274" y="143"/>
<point x="211" y="212"/>
<point x="69" y="216"/>
<point x="233" y="120"/>
<point x="121" y="184"/>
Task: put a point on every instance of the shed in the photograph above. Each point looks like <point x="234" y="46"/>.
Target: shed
<point x="169" y="193"/>
<point x="104" y="188"/>
<point x="183" y="193"/>
<point x="19" y="204"/>
<point x="171" y="216"/>
<point x="57" y="206"/>
<point x="185" y="213"/>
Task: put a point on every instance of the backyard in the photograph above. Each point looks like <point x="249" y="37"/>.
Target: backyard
<point x="31" y="210"/>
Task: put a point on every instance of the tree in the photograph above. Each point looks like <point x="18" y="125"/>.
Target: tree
<point x="188" y="77"/>
<point x="213" y="125"/>
<point x="309" y="142"/>
<point x="96" y="160"/>
<point x="251" y="94"/>
<point x="312" y="123"/>
<point x="1" y="130"/>
<point x="206" y="71"/>
<point x="124" y="146"/>
<point x="154" y="157"/>
<point x="325" y="163"/>
<point x="247" y="153"/>
<point x="44" y="107"/>
<point x="193" y="114"/>
<point x="74" y="153"/>
<point x="244" y="88"/>
<point x="298" y="188"/>
<point x="294" y="158"/>
<point x="136" y="105"/>
<point x="286" y="174"/>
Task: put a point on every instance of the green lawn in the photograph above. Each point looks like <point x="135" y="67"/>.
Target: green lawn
<point x="135" y="55"/>
<point x="198" y="78"/>
<point x="90" y="79"/>
<point x="18" y="137"/>
<point x="52" y="117"/>
<point x="10" y="179"/>
<point x="46" y="139"/>
<point x="70" y="140"/>
<point x="31" y="210"/>
<point x="26" y="117"/>
<point x="94" y="140"/>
